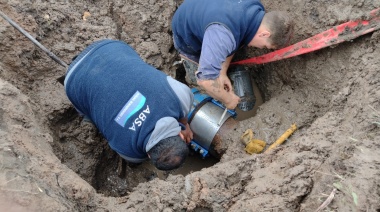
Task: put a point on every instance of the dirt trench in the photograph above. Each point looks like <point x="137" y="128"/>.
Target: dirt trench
<point x="52" y="160"/>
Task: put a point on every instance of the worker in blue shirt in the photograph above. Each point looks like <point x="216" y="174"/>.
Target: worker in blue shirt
<point x="140" y="111"/>
<point x="208" y="33"/>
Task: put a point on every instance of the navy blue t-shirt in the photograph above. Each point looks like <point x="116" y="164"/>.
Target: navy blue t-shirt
<point x="193" y="17"/>
<point x="121" y="94"/>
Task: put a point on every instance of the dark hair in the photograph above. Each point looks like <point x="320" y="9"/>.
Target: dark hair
<point x="281" y="27"/>
<point x="169" y="153"/>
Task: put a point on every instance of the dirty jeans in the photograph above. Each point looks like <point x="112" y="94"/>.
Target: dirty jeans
<point x="190" y="63"/>
<point x="191" y="68"/>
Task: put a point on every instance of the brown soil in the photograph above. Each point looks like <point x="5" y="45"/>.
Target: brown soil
<point x="51" y="160"/>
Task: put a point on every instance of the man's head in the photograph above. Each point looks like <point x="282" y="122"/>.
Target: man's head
<point x="275" y="31"/>
<point x="169" y="153"/>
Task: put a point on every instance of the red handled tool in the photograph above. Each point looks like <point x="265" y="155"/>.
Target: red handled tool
<point x="338" y="34"/>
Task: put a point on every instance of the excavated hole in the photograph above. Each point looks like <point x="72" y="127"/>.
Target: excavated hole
<point x="79" y="145"/>
<point x="335" y="84"/>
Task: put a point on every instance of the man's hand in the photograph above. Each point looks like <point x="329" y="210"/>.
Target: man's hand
<point x="233" y="103"/>
<point x="221" y="89"/>
<point x="232" y="100"/>
<point x="187" y="134"/>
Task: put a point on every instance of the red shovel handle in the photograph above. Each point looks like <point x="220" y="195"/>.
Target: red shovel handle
<point x="338" y="34"/>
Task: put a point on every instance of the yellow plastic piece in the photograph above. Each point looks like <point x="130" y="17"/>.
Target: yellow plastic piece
<point x="252" y="145"/>
<point x="255" y="146"/>
<point x="282" y="138"/>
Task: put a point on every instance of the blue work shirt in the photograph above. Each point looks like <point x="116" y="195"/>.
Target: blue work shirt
<point x="132" y="104"/>
<point x="207" y="32"/>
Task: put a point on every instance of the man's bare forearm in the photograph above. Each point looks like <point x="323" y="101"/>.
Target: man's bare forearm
<point x="183" y="120"/>
<point x="216" y="90"/>
<point x="226" y="64"/>
<point x="221" y="88"/>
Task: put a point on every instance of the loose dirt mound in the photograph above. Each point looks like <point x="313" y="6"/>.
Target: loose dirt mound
<point x="53" y="161"/>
